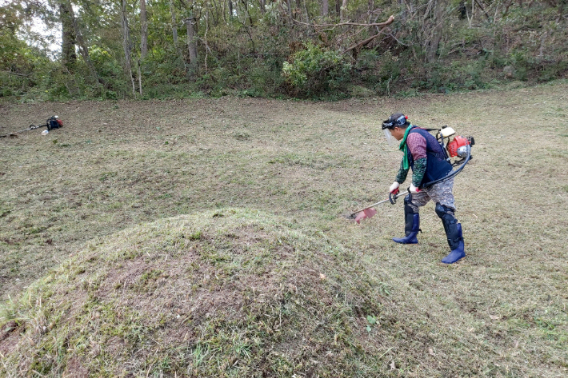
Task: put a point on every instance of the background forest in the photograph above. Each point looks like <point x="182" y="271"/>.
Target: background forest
<point x="329" y="49"/>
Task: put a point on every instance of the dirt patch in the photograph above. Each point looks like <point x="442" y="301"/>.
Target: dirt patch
<point x="75" y="368"/>
<point x="9" y="337"/>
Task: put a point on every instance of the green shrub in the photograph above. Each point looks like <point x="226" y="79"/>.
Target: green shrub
<point x="315" y="70"/>
<point x="389" y="71"/>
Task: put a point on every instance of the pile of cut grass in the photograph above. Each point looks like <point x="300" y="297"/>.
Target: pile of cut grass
<point x="222" y="293"/>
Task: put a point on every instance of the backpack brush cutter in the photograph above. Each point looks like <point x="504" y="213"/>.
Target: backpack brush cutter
<point x="458" y="152"/>
<point x="52" y="122"/>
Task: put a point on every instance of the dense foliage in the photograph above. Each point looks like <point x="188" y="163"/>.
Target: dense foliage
<point x="314" y="70"/>
<point x="149" y="48"/>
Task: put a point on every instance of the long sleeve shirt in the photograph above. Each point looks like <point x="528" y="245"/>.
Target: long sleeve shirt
<point x="416" y="144"/>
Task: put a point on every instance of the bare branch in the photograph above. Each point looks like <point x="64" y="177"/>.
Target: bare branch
<point x="16" y="74"/>
<point x="380" y="24"/>
<point x="363" y="43"/>
<point x="483" y="9"/>
<point x="396" y="39"/>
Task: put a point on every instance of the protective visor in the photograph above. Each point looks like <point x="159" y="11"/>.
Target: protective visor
<point x="390" y="139"/>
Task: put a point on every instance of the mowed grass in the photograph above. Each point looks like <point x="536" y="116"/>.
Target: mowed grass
<point x="500" y="312"/>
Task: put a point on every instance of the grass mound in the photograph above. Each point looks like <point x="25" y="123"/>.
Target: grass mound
<point x="222" y="293"/>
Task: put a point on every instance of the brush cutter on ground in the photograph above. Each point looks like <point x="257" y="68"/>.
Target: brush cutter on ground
<point x="52" y="123"/>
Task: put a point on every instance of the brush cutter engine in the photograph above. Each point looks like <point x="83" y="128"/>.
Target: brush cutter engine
<point x="52" y="122"/>
<point x="459" y="147"/>
<point x="454" y="145"/>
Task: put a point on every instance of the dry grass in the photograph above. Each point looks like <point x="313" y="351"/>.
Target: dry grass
<point x="500" y="312"/>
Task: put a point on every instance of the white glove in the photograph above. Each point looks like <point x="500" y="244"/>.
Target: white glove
<point x="413" y="189"/>
<point x="394" y="187"/>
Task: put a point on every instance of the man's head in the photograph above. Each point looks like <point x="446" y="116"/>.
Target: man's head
<point x="395" y="127"/>
<point x="396" y="120"/>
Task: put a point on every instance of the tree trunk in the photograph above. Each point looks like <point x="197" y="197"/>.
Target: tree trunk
<point x="325" y="8"/>
<point x="144" y="30"/>
<point x="214" y="14"/>
<point x="262" y="6"/>
<point x="437" y="30"/>
<point x="126" y="45"/>
<point x="230" y="9"/>
<point x="245" y="5"/>
<point x="140" y="78"/>
<point x="191" y="41"/>
<point x="84" y="50"/>
<point x="343" y="11"/>
<point x="306" y="12"/>
<point x="68" y="37"/>
<point x="174" y="24"/>
<point x="337" y="8"/>
<point x="289" y="3"/>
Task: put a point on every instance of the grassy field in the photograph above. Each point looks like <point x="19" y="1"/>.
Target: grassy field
<point x="112" y="229"/>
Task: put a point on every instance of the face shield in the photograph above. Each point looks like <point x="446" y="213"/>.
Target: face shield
<point x="390" y="139"/>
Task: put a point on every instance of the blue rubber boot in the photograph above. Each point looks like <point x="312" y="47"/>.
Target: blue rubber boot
<point x="453" y="233"/>
<point x="411" y="227"/>
<point x="456" y="246"/>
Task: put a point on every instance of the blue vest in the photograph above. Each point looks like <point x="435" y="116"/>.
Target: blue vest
<point x="436" y="167"/>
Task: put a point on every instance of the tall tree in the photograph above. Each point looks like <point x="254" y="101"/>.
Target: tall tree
<point x="68" y="37"/>
<point x="83" y="48"/>
<point x="12" y="60"/>
<point x="191" y="40"/>
<point x="191" y="27"/>
<point x="438" y="25"/>
<point x="143" y="30"/>
<point x="343" y="11"/>
<point x="174" y="23"/>
<point x="262" y="6"/>
<point x="127" y="45"/>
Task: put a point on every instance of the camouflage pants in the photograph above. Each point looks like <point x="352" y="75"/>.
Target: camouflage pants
<point x="439" y="193"/>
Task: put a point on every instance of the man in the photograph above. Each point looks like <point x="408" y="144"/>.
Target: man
<point x="426" y="157"/>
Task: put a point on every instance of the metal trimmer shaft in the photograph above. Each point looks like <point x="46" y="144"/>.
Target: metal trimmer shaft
<point x="378" y="203"/>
